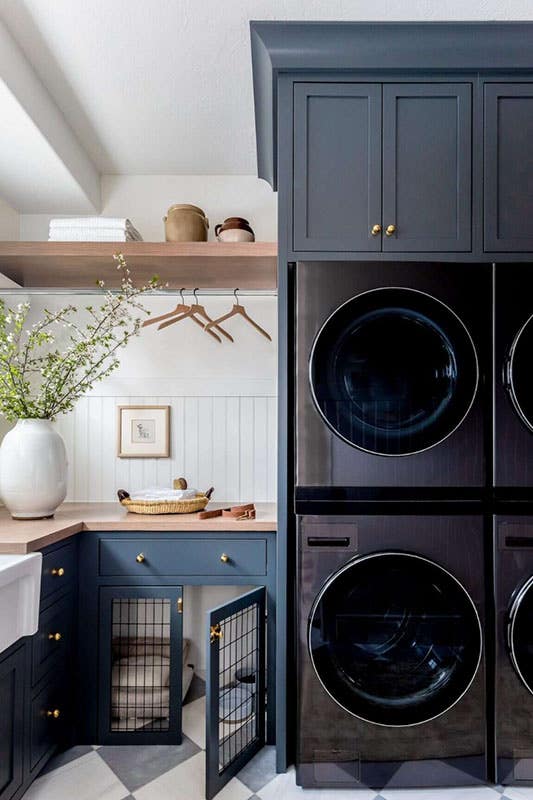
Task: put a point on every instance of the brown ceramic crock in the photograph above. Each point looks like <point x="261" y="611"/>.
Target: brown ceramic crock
<point x="234" y="229"/>
<point x="185" y="223"/>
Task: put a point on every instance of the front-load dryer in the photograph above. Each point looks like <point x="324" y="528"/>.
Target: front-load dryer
<point x="391" y="669"/>
<point x="513" y="391"/>
<point x="391" y="367"/>
<point x="514" y="649"/>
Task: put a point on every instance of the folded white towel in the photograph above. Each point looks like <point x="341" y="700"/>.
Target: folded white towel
<point x="102" y="235"/>
<point x="164" y="494"/>
<point x="91" y="222"/>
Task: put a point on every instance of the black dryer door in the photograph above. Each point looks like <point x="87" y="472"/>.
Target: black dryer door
<point x="393" y="371"/>
<point x="520" y="634"/>
<point x="394" y="638"/>
<point x="518" y="373"/>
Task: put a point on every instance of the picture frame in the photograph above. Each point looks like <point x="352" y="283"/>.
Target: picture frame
<point x="143" y="431"/>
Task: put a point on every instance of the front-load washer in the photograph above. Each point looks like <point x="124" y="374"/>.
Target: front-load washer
<point x="391" y="376"/>
<point x="513" y="390"/>
<point x="514" y="648"/>
<point x="390" y="665"/>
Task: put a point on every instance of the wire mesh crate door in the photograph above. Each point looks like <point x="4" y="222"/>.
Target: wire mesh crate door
<point x="141" y="653"/>
<point x="235" y="687"/>
<point x="140" y="676"/>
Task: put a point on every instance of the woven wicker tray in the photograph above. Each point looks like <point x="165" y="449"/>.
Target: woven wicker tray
<point x="189" y="506"/>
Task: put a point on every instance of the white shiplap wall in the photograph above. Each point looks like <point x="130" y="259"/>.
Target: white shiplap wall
<point x="223" y="408"/>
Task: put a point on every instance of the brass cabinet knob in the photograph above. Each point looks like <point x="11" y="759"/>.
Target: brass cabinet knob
<point x="375" y="230"/>
<point x="224" y="558"/>
<point x="59" y="571"/>
<point x="55" y="713"/>
<point x="55" y="636"/>
<point x="140" y="558"/>
<point x="390" y="230"/>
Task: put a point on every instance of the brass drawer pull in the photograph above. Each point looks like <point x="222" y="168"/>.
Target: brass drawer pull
<point x="55" y="714"/>
<point x="58" y="571"/>
<point x="224" y="558"/>
<point x="55" y="636"/>
<point x="391" y="229"/>
<point x="375" y="230"/>
<point x="140" y="558"/>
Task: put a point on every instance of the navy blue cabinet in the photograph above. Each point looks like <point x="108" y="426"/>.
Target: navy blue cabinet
<point x="382" y="167"/>
<point x="427" y="155"/>
<point x="337" y="166"/>
<point x="508" y="178"/>
<point x="12" y="683"/>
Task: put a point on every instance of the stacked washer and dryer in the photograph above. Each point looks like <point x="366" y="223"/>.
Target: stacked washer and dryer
<point x="414" y="454"/>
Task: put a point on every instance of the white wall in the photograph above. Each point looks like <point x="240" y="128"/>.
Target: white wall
<point x="222" y="398"/>
<point x="146" y="198"/>
<point x="9" y="223"/>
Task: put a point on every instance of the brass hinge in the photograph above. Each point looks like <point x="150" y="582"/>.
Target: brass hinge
<point x="215" y="633"/>
<point x="179" y="605"/>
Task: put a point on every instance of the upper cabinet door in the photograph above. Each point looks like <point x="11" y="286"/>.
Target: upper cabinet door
<point x="337" y="167"/>
<point x="508" y="183"/>
<point x="427" y="174"/>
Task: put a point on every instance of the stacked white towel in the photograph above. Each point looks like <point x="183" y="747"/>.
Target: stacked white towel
<point x="93" y="229"/>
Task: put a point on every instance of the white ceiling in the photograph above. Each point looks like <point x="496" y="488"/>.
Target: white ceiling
<point x="164" y="86"/>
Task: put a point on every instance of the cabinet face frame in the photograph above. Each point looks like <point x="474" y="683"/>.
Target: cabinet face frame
<point x="13" y="671"/>
<point x="494" y="88"/>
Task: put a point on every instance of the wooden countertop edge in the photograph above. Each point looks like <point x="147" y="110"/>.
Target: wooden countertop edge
<point x="135" y="523"/>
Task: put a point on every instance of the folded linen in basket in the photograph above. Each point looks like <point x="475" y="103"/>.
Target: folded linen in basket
<point x="164" y="494"/>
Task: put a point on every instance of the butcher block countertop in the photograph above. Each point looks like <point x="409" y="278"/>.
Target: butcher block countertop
<point x="26" y="536"/>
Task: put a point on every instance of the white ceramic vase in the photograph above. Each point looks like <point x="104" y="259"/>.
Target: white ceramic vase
<point x="33" y="469"/>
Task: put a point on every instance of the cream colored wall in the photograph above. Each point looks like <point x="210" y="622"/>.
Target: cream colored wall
<point x="9" y="222"/>
<point x="145" y="199"/>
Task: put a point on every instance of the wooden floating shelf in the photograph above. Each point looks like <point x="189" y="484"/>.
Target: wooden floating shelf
<point x="78" y="265"/>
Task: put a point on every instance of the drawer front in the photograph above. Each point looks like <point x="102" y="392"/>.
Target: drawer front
<point x="46" y="728"/>
<point x="52" y="644"/>
<point x="59" y="570"/>
<point x="152" y="557"/>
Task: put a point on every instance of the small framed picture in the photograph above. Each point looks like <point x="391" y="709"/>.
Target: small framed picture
<point x="143" y="431"/>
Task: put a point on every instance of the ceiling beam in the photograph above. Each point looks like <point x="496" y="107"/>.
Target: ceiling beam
<point x="35" y="132"/>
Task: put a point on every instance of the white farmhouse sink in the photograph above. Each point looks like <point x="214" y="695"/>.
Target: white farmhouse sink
<point x="20" y="587"/>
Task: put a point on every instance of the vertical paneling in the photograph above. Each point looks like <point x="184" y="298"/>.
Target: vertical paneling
<point x="225" y="442"/>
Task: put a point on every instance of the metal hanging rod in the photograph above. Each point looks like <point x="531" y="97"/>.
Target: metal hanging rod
<point x="21" y="290"/>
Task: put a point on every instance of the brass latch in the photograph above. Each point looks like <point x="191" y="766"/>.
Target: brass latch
<point x="179" y="605"/>
<point x="216" y="633"/>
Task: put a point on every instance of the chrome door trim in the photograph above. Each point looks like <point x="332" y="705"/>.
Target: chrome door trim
<point x="508" y="375"/>
<point x="513" y="611"/>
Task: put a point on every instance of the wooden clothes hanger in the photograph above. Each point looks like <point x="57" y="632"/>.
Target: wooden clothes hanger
<point x="191" y="312"/>
<point x="239" y="309"/>
<point x="180" y="308"/>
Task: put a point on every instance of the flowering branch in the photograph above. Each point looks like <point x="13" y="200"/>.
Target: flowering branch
<point x="37" y="379"/>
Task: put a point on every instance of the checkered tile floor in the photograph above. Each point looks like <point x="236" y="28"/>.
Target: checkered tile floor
<point x="171" y="772"/>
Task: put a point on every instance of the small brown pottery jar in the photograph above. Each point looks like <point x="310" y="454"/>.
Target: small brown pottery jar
<point x="185" y="223"/>
<point x="234" y="229"/>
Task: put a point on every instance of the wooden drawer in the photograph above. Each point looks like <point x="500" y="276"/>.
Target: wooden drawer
<point x="46" y="731"/>
<point x="52" y="644"/>
<point x="59" y="569"/>
<point x="182" y="557"/>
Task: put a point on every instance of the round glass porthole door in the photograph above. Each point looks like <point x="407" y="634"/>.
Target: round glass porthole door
<point x="393" y="371"/>
<point x="394" y="638"/>
<point x="520" y="634"/>
<point x="518" y="373"/>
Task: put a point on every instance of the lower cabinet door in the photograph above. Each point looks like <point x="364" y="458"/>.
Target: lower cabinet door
<point x="235" y="687"/>
<point x="49" y="721"/>
<point x="11" y="722"/>
<point x="140" y="667"/>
